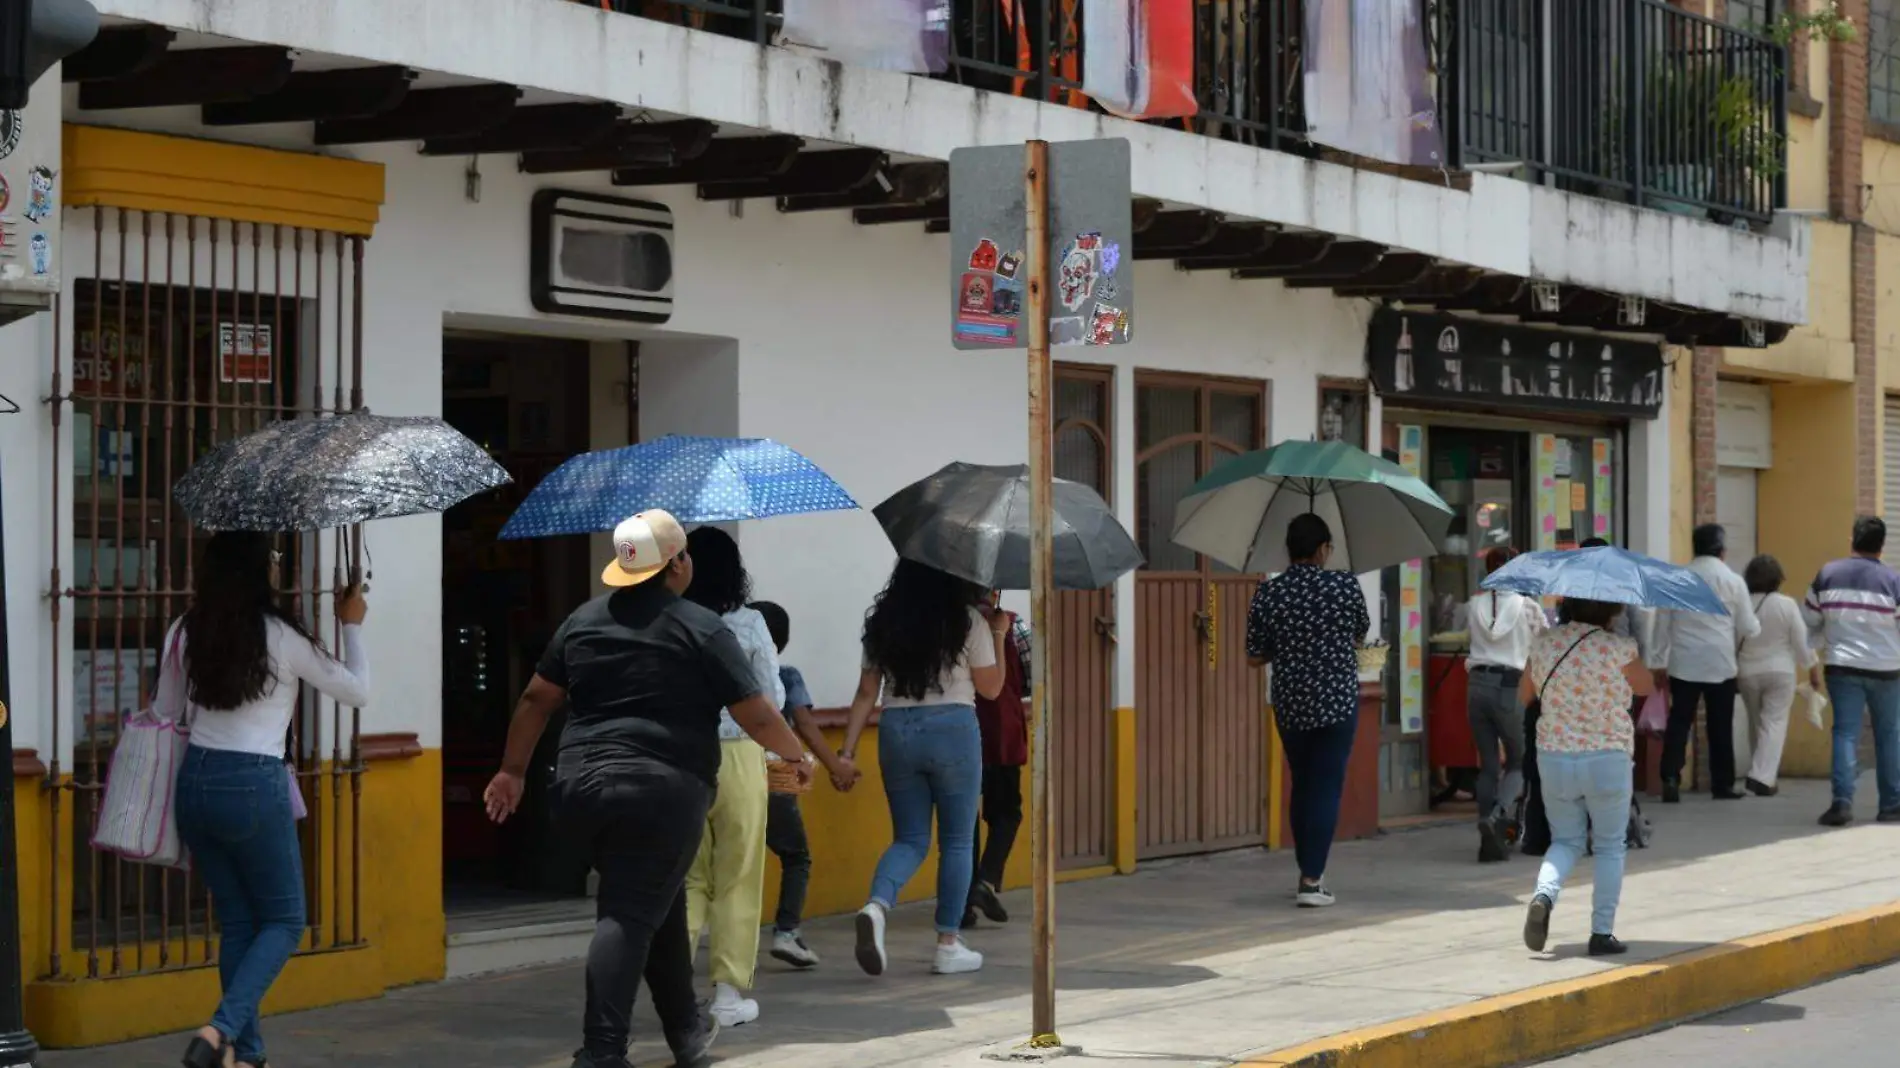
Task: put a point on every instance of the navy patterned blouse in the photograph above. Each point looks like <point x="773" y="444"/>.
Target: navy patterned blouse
<point x="1307" y="623"/>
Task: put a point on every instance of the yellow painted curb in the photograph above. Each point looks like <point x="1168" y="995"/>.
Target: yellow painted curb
<point x="1558" y="1018"/>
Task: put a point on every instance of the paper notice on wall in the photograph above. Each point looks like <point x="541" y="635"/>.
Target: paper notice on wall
<point x="1411" y="621"/>
<point x="1138" y="57"/>
<point x="1561" y="503"/>
<point x="901" y="35"/>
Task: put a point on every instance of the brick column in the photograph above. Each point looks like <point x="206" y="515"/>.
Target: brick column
<point x="1705" y="362"/>
<point x="1866" y="375"/>
<point x="1847" y="117"/>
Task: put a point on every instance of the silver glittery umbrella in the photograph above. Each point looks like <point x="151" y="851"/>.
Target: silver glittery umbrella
<point x="313" y="474"/>
<point x="973" y="522"/>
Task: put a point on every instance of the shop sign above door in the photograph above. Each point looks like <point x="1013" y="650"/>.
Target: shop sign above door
<point x="1427" y="357"/>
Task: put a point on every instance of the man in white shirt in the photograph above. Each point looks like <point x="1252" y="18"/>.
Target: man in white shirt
<point x="1698" y="650"/>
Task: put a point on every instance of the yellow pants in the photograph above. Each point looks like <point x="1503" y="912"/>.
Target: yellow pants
<point x="726" y="886"/>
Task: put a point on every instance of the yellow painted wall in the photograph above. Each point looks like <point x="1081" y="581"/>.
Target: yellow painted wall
<point x="400" y="919"/>
<point x="1823" y="347"/>
<point x="1807" y="163"/>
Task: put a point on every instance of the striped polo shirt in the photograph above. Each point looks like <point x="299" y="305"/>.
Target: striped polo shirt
<point x="1852" y="606"/>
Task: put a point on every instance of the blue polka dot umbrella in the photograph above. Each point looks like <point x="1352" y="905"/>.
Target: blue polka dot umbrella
<point x="699" y="480"/>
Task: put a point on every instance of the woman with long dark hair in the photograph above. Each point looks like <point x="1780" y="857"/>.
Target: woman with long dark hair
<point x="233" y="663"/>
<point x="725" y="888"/>
<point x="932" y="645"/>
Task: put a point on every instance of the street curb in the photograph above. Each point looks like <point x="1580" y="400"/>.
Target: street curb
<point x="1559" y="1018"/>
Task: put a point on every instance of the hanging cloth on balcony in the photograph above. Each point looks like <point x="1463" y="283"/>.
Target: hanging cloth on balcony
<point x="901" y="35"/>
<point x="1138" y="57"/>
<point x="1368" y="90"/>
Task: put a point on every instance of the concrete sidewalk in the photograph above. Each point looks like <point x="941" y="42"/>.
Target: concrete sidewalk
<point x="1199" y="961"/>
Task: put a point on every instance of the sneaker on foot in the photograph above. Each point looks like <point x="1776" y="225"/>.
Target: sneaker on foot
<point x="695" y="1051"/>
<point x="983" y="898"/>
<point x="956" y="958"/>
<point x="1759" y="788"/>
<point x="969" y="918"/>
<point x="1490" y="844"/>
<point x="1888" y="815"/>
<point x="1839" y="814"/>
<point x="790" y="947"/>
<point x="1672" y="792"/>
<point x="871" y="939"/>
<point x="1606" y="945"/>
<point x="1313" y="896"/>
<point x="731" y="1008"/>
<point x="1537" y="924"/>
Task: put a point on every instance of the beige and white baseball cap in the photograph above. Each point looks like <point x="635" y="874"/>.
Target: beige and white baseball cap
<point x="643" y="545"/>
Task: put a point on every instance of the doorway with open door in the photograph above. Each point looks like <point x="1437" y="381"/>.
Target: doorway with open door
<point x="525" y="400"/>
<point x="1201" y="711"/>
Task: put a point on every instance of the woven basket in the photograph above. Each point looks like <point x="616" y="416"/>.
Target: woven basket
<point x="1372" y="657"/>
<point x="782" y="778"/>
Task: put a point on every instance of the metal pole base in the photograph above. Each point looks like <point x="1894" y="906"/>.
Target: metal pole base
<point x="18" y="1050"/>
<point x="1034" y="1051"/>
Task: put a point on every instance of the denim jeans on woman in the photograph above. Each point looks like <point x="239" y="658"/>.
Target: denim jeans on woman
<point x="1316" y="761"/>
<point x="234" y="815"/>
<point x="931" y="757"/>
<point x="1587" y="796"/>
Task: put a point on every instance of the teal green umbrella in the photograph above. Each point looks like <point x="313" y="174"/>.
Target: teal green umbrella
<point x="1380" y="514"/>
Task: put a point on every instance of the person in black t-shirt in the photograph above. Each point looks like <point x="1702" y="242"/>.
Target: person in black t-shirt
<point x="644" y="674"/>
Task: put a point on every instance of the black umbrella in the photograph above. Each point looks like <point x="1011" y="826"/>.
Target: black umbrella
<point x="312" y="474"/>
<point x="973" y="522"/>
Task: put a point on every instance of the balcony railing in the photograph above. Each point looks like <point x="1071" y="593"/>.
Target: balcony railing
<point x="1629" y="100"/>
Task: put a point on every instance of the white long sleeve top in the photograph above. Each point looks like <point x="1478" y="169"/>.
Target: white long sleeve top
<point x="261" y="726"/>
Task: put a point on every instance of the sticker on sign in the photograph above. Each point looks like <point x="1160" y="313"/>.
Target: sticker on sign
<point x="244" y="352"/>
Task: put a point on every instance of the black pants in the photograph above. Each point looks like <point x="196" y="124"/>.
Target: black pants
<point x="785" y="837"/>
<point x="1003" y="811"/>
<point x="1720" y="699"/>
<point x="640" y="821"/>
<point x="1316" y="762"/>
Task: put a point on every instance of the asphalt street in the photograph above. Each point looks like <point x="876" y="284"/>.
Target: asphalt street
<point x="1849" y="1023"/>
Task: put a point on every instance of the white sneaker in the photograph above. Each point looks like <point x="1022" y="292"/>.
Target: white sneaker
<point x="871" y="939"/>
<point x="956" y="958"/>
<point x="731" y="1008"/>
<point x="790" y="947"/>
<point x="1313" y="897"/>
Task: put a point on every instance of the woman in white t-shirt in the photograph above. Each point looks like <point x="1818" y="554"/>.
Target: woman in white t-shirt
<point x="932" y="644"/>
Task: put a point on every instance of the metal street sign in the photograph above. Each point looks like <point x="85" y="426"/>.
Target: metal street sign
<point x="1090" y="252"/>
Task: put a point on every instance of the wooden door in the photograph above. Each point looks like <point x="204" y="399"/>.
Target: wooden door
<point x="1082" y="655"/>
<point x="1201" y="742"/>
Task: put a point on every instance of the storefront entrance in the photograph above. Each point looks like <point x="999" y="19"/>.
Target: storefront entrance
<point x="525" y="400"/>
<point x="1522" y="431"/>
<point x="1200" y="710"/>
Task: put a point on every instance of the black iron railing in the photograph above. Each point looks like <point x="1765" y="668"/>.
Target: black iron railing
<point x="1632" y="100"/>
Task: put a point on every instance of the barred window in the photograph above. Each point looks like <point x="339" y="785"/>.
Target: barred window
<point x="1883" y="61"/>
<point x="1750" y="15"/>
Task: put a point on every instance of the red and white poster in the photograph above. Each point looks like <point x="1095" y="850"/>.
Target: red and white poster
<point x="244" y="352"/>
<point x="1138" y="57"/>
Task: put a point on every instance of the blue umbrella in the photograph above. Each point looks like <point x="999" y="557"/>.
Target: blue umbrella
<point x="699" y="480"/>
<point x="1607" y="573"/>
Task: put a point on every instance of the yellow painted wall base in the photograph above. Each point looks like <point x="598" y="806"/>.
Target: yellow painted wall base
<point x="92" y="1012"/>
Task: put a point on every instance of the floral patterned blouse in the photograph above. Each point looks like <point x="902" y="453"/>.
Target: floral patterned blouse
<point x="1586" y="701"/>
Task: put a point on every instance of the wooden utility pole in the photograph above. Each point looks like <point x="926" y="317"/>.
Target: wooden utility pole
<point x="1042" y="837"/>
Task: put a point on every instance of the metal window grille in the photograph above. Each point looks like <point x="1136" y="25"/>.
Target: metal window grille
<point x="187" y="331"/>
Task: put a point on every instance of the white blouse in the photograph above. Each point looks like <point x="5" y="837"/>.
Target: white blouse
<point x="755" y="638"/>
<point x="261" y="725"/>
<point x="1782" y="646"/>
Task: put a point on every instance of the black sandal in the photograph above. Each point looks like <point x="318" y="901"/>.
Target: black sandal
<point x="202" y="1054"/>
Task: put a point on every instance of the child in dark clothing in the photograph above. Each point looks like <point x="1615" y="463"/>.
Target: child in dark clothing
<point x="785" y="824"/>
<point x="1005" y="750"/>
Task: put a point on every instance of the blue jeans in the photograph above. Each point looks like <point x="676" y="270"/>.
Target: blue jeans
<point x="1854" y="697"/>
<point x="1587" y="795"/>
<point x="932" y="759"/>
<point x="234" y="815"/>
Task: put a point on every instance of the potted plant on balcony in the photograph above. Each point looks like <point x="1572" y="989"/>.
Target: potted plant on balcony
<point x="1704" y="134"/>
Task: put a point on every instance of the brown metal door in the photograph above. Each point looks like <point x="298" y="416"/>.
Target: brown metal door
<point x="1201" y="748"/>
<point x="1082" y="656"/>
